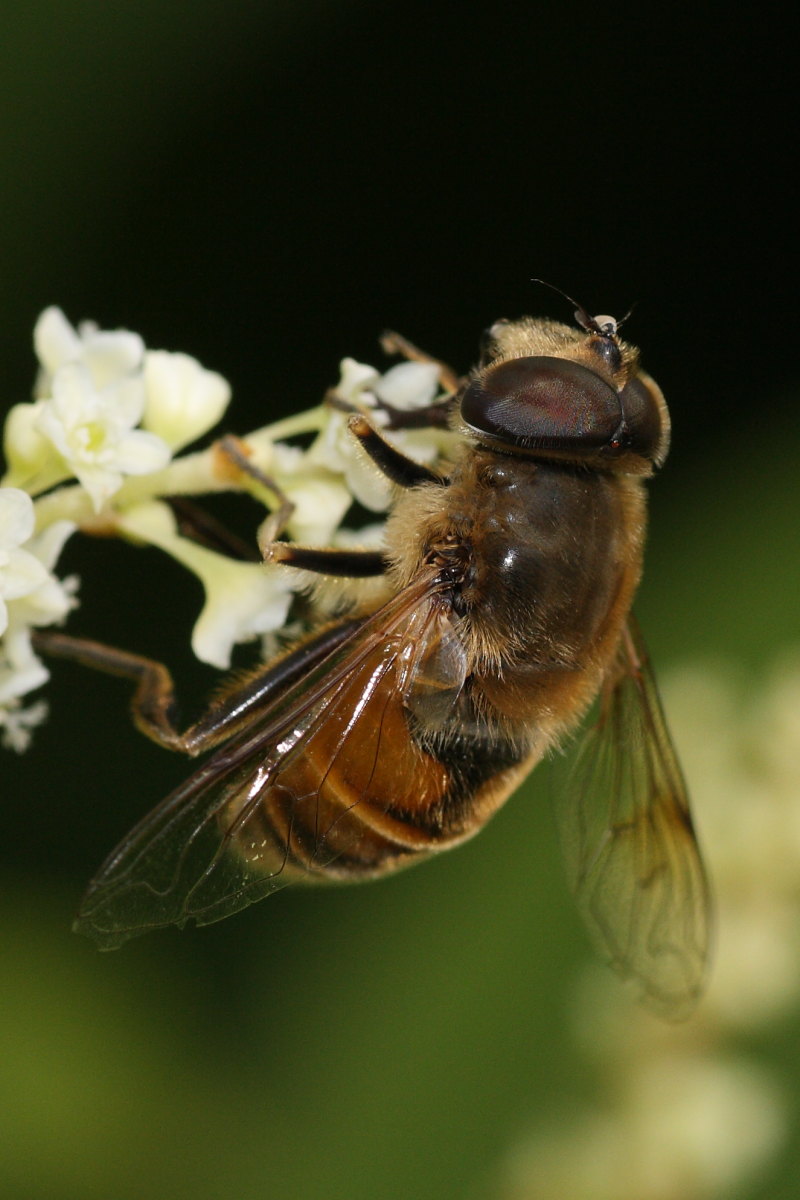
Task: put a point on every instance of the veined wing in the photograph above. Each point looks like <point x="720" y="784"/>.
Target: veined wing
<point x="300" y="789"/>
<point x="632" y="855"/>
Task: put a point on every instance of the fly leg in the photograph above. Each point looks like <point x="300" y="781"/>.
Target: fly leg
<point x="344" y="564"/>
<point x="395" y="465"/>
<point x="153" y="705"/>
<point x="236" y="454"/>
<point x="354" y="564"/>
<point x="204" y="529"/>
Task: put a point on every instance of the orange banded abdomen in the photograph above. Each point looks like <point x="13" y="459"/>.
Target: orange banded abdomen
<point x="356" y="796"/>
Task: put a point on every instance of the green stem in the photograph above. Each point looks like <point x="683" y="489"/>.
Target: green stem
<point x="191" y="475"/>
<point x="310" y="421"/>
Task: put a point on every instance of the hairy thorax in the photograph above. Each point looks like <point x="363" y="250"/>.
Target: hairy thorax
<point x="546" y="559"/>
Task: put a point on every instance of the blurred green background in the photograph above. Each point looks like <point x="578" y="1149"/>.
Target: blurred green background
<point x="267" y="186"/>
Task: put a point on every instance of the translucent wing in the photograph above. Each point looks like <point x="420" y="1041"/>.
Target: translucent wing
<point x="632" y="856"/>
<point x="299" y="790"/>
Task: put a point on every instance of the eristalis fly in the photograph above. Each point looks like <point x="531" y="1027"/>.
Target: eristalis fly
<point x="501" y="609"/>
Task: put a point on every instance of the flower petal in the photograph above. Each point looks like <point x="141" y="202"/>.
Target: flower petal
<point x="409" y="385"/>
<point x="107" y="355"/>
<point x="28" y="452"/>
<point x="72" y="405"/>
<point x="100" y="482"/>
<point x="183" y="399"/>
<point x="112" y="354"/>
<point x="243" y="599"/>
<point x="20" y="670"/>
<point x="21" y="574"/>
<point x="48" y="544"/>
<point x="355" y="379"/>
<point x="123" y="401"/>
<point x="138" y="453"/>
<point x="16" y="517"/>
<point x="320" y="504"/>
<point x="55" y="340"/>
<point x="367" y="484"/>
<point x="17" y="724"/>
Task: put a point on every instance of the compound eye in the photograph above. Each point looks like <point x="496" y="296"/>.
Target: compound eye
<point x="647" y="425"/>
<point x="543" y="403"/>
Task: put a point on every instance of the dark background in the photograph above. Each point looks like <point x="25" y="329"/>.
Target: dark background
<point x="268" y="186"/>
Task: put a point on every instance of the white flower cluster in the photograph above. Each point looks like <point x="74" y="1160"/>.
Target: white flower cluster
<point x="30" y="595"/>
<point x="96" y="449"/>
<point x="690" y="1115"/>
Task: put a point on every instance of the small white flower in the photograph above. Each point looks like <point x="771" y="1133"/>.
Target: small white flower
<point x="336" y="450"/>
<point x="17" y="724"/>
<point x="51" y="599"/>
<point x="683" y="1126"/>
<point x="356" y="381"/>
<point x="20" y="670"/>
<point x="85" y="375"/>
<point x="406" y="386"/>
<point x="20" y="571"/>
<point x="243" y="600"/>
<point x="320" y="503"/>
<point x="31" y="458"/>
<point x="319" y="495"/>
<point x="182" y="399"/>
<point x="94" y="432"/>
<point x="108" y="355"/>
<point x="30" y="595"/>
<point x="409" y="385"/>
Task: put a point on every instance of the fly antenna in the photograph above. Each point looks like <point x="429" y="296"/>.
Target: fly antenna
<point x="603" y="324"/>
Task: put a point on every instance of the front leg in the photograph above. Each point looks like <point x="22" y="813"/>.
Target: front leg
<point x="354" y="564"/>
<point x="402" y="470"/>
<point x="341" y="564"/>
<point x="235" y="453"/>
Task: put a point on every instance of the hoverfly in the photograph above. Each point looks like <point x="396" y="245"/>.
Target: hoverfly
<point x="502" y="611"/>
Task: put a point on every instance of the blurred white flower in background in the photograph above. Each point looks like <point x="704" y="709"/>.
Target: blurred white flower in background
<point x="679" y="1129"/>
<point x="689" y="1114"/>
